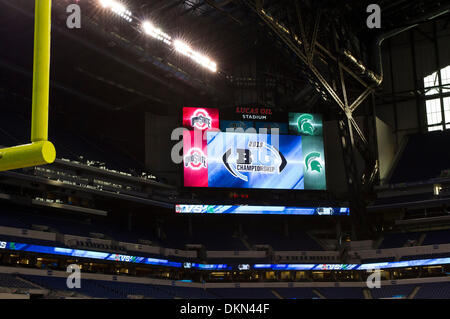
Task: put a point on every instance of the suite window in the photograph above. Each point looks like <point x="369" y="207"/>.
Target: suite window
<point x="437" y="101"/>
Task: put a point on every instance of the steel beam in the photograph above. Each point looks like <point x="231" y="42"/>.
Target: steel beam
<point x="305" y="49"/>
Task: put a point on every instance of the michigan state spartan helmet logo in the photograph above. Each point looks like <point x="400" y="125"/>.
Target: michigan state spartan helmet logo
<point x="305" y="124"/>
<point x="312" y="162"/>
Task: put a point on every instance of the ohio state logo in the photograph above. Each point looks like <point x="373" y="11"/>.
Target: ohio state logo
<point x="201" y="119"/>
<point x="195" y="159"/>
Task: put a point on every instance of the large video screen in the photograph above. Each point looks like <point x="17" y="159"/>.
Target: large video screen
<point x="265" y="210"/>
<point x="279" y="155"/>
<point x="240" y="160"/>
<point x="58" y="251"/>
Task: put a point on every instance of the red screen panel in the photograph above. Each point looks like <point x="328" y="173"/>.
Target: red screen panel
<point x="195" y="159"/>
<point x="200" y="118"/>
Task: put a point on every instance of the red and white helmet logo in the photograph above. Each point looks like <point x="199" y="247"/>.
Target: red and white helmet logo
<point x="195" y="159"/>
<point x="201" y="120"/>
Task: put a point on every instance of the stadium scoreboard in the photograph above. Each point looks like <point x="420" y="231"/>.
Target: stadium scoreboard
<point x="253" y="147"/>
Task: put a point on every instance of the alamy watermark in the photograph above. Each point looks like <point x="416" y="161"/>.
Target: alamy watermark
<point x="74" y="279"/>
<point x="374" y="19"/>
<point x="374" y="279"/>
<point x="74" y="19"/>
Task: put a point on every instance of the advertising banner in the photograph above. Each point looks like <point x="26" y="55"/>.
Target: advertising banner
<point x="264" y="210"/>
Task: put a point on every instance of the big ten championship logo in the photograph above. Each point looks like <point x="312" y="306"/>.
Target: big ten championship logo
<point x="74" y="19"/>
<point x="74" y="279"/>
<point x="313" y="162"/>
<point x="195" y="159"/>
<point x="259" y="157"/>
<point x="200" y="119"/>
<point x="305" y="124"/>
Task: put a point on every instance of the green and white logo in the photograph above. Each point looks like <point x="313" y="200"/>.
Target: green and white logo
<point x="312" y="162"/>
<point x="305" y="124"/>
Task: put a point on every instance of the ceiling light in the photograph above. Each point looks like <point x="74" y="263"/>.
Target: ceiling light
<point x="118" y="9"/>
<point x="203" y="60"/>
<point x="156" y="33"/>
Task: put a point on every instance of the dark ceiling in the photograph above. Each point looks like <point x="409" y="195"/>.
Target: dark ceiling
<point x="111" y="64"/>
<point x="109" y="71"/>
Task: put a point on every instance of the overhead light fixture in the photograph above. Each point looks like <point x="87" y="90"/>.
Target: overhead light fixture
<point x="203" y="60"/>
<point x="118" y="9"/>
<point x="156" y="33"/>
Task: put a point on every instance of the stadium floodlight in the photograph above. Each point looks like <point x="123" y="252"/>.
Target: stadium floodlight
<point x="156" y="33"/>
<point x="118" y="9"/>
<point x="186" y="50"/>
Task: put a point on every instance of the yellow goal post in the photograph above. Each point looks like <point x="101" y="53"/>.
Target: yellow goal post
<point x="40" y="151"/>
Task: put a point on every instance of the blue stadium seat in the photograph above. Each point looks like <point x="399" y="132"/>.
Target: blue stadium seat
<point x="392" y="291"/>
<point x="434" y="291"/>
<point x="243" y="293"/>
<point x="296" y="293"/>
<point x="10" y="281"/>
<point x="119" y="290"/>
<point x="122" y="290"/>
<point x="92" y="288"/>
<point x="341" y="292"/>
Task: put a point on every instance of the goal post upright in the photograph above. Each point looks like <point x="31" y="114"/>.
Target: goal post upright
<point x="40" y="151"/>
